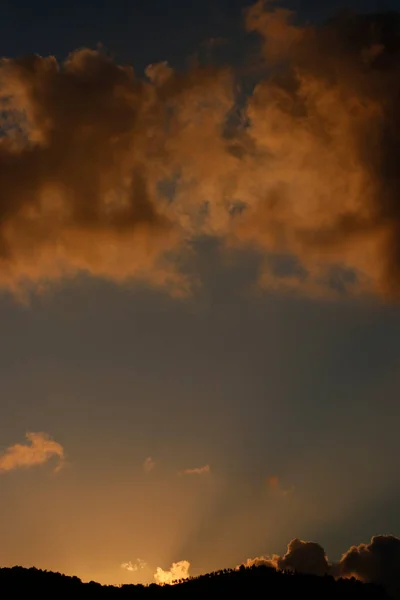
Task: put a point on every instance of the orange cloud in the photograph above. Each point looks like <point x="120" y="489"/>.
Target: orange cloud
<point x="148" y="464"/>
<point x="276" y="26"/>
<point x="324" y="129"/>
<point x="89" y="149"/>
<point x="273" y="482"/>
<point x="275" y="485"/>
<point x="39" y="450"/>
<point x="259" y="561"/>
<point x="86" y="146"/>
<point x="178" y="571"/>
<point x="197" y="471"/>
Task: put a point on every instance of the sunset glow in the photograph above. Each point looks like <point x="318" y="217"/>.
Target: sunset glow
<point x="199" y="289"/>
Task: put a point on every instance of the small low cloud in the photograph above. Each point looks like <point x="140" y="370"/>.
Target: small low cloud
<point x="275" y="486"/>
<point x="148" y="464"/>
<point x="273" y="482"/>
<point x="177" y="572"/>
<point x="259" y="561"/>
<point x="197" y="471"/>
<point x="39" y="449"/>
<point x="136" y="566"/>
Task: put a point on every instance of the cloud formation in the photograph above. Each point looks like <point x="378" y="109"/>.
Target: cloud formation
<point x="139" y="565"/>
<point x="148" y="464"/>
<point x="84" y="148"/>
<point x="197" y="471"/>
<point x="304" y="557"/>
<point x="178" y="571"/>
<point x="114" y="175"/>
<point x="327" y="125"/>
<point x="39" y="449"/>
<point x="301" y="556"/>
<point x="376" y="562"/>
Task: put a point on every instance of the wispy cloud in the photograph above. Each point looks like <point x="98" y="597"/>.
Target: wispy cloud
<point x="39" y="449"/>
<point x="178" y="570"/>
<point x="139" y="565"/>
<point x="197" y="471"/>
<point x="148" y="464"/>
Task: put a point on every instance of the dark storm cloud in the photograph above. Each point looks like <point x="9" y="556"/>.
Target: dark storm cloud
<point x="377" y="562"/>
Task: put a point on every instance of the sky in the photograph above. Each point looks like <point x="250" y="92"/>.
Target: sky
<point x="200" y="275"/>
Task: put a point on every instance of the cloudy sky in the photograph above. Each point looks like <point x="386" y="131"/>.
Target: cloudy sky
<point x="200" y="274"/>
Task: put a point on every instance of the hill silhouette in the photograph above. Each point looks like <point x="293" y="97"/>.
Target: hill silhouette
<point x="245" y="582"/>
